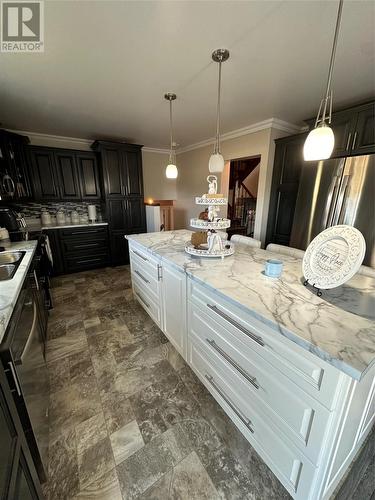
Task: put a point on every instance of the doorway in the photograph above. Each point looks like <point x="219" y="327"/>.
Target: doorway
<point x="242" y="195"/>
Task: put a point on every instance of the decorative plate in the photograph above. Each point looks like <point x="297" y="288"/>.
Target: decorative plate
<point x="202" y="200"/>
<point x="334" y="256"/>
<point x="202" y="252"/>
<point x="205" y="224"/>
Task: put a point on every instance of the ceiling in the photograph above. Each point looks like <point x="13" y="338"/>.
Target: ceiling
<point x="107" y="65"/>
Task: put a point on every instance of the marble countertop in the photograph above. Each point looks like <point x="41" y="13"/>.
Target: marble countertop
<point x="41" y="227"/>
<point x="338" y="327"/>
<point x="10" y="289"/>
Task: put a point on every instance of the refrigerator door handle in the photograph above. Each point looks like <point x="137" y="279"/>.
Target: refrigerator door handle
<point x="340" y="200"/>
<point x="331" y="201"/>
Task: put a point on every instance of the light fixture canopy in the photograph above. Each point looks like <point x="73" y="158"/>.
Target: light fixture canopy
<point x="171" y="171"/>
<point x="216" y="161"/>
<point x="320" y="142"/>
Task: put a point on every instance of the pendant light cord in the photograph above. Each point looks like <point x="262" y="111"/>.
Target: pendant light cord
<point x="171" y="152"/>
<point x="217" y="142"/>
<point x="328" y="94"/>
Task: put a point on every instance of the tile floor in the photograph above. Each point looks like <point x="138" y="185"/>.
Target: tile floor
<point x="128" y="418"/>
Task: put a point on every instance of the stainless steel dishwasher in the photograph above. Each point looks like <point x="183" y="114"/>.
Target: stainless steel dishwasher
<point x="22" y="354"/>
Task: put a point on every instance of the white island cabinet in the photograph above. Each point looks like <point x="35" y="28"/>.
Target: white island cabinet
<point x="295" y="373"/>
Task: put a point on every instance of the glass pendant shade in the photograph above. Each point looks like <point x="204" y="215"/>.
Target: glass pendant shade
<point x="216" y="163"/>
<point x="319" y="144"/>
<point x="171" y="171"/>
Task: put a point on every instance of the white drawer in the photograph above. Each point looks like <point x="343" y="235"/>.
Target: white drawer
<point x="144" y="259"/>
<point x="289" y="464"/>
<point x="146" y="300"/>
<point x="295" y="412"/>
<point x="149" y="282"/>
<point x="312" y="374"/>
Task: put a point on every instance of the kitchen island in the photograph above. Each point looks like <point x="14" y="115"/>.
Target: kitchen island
<point x="295" y="372"/>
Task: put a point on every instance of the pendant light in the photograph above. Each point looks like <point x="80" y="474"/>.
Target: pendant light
<point x="216" y="162"/>
<point x="171" y="171"/>
<point x="320" y="141"/>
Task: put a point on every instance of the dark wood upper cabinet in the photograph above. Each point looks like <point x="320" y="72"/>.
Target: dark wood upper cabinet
<point x="133" y="173"/>
<point x="89" y="176"/>
<point x="43" y="174"/>
<point x="343" y="124"/>
<point x="112" y="162"/>
<point x="64" y="175"/>
<point x="364" y="135"/>
<point x="14" y="164"/>
<point x="67" y="173"/>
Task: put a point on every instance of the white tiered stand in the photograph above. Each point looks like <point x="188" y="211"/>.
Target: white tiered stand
<point x="217" y="224"/>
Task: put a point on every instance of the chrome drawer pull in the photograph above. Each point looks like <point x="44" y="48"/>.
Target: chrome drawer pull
<point x="142" y="300"/>
<point x="140" y="255"/>
<point x="237" y="325"/>
<point x="246" y="421"/>
<point x="142" y="277"/>
<point x="230" y="360"/>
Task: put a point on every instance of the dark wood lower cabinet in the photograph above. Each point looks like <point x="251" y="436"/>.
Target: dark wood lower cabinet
<point x="79" y="249"/>
<point x="18" y="477"/>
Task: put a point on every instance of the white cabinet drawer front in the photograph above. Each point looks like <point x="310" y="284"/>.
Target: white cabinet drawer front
<point x="146" y="300"/>
<point x="296" y="413"/>
<point x="151" y="284"/>
<point x="289" y="464"/>
<point x="145" y="260"/>
<point x="313" y="375"/>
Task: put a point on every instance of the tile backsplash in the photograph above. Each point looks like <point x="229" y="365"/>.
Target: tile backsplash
<point x="33" y="210"/>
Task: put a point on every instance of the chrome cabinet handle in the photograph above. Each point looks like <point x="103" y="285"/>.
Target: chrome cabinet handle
<point x="160" y="272"/>
<point x="246" y="421"/>
<point x="354" y="139"/>
<point x="237" y="325"/>
<point x="142" y="300"/>
<point x="140" y="255"/>
<point x="142" y="277"/>
<point x="234" y="363"/>
<point x="87" y="245"/>
<point x="14" y="376"/>
<point x="348" y="141"/>
<point x="87" y="260"/>
<point x="86" y="232"/>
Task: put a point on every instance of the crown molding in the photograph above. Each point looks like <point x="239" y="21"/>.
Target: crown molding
<point x="39" y="139"/>
<point x="275" y="123"/>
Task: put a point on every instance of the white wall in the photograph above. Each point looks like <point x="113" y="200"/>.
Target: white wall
<point x="156" y="185"/>
<point x="193" y="170"/>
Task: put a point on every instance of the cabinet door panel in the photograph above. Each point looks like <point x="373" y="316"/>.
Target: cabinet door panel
<point x="135" y="215"/>
<point x="112" y="164"/>
<point x="68" y="176"/>
<point x="364" y="137"/>
<point x="133" y="173"/>
<point x="89" y="176"/>
<point x="116" y="214"/>
<point x="174" y="307"/>
<point x="44" y="179"/>
<point x="343" y="124"/>
<point x="119" y="248"/>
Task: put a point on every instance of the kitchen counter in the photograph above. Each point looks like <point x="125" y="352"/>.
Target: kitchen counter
<point x="338" y="327"/>
<point x="41" y="227"/>
<point x="10" y="289"/>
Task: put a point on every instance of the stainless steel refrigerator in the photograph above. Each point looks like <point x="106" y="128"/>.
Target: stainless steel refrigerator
<point x="336" y="191"/>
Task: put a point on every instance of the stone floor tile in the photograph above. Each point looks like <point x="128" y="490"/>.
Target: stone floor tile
<point x="90" y="432"/>
<point x="104" y="487"/>
<point x="63" y="467"/>
<point x="59" y="375"/>
<point x="126" y="441"/>
<point x="117" y="409"/>
<point x="150" y="463"/>
<point x="187" y="480"/>
<point x="94" y="462"/>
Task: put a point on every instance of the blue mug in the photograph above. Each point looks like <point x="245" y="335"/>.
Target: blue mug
<point x="273" y="268"/>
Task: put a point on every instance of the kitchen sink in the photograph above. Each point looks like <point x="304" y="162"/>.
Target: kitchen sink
<point x="7" y="271"/>
<point x="9" y="262"/>
<point x="11" y="257"/>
